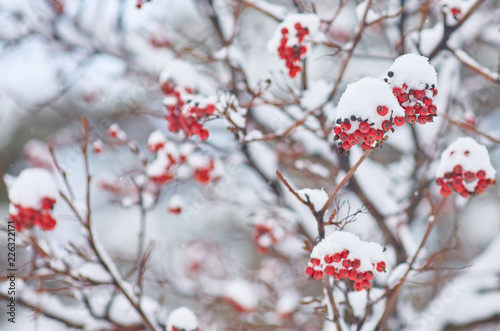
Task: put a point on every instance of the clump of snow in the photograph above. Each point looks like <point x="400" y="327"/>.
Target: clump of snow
<point x="455" y="9"/>
<point x="180" y="73"/>
<point x="31" y="186"/>
<point x="287" y="304"/>
<point x="369" y="253"/>
<point x="241" y="295"/>
<point x="414" y="71"/>
<point x="309" y="21"/>
<point x="38" y="155"/>
<point x="316" y="95"/>
<point x="317" y="197"/>
<point x="361" y="99"/>
<point x="466" y="167"/>
<point x="156" y="141"/>
<point x="182" y="318"/>
<point x="476" y="159"/>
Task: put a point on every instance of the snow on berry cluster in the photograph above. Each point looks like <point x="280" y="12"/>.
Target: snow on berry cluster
<point x="187" y="110"/>
<point x="32" y="196"/>
<point x="466" y="168"/>
<point x="344" y="256"/>
<point x="455" y="9"/>
<point x="366" y="111"/>
<point x="414" y="84"/>
<point x="172" y="161"/>
<point x="292" y="39"/>
<point x="182" y="319"/>
<point x="267" y="233"/>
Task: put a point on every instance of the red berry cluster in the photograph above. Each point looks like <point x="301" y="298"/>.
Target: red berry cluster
<point x="186" y="117"/>
<point x="418" y="104"/>
<point x="340" y="267"/>
<point x="364" y="133"/>
<point x="293" y="54"/>
<point x="27" y="217"/>
<point x="455" y="181"/>
<point x="204" y="174"/>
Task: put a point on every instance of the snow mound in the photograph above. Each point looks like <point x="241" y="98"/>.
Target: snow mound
<point x="182" y="318"/>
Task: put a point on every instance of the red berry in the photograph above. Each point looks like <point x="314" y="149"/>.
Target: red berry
<point x="357" y="286"/>
<point x="464" y="194"/>
<point x="336" y="276"/>
<point x="364" y="127"/>
<point x="352" y="139"/>
<point x="368" y="275"/>
<point x="411" y="119"/>
<point x="432" y="109"/>
<point x="481" y="174"/>
<point x="410" y="110"/>
<point x="352" y="274"/>
<point x="457" y="169"/>
<point x="469" y="175"/>
<point x="419" y="94"/>
<point x="310" y="271"/>
<point x="337" y="130"/>
<point x="355" y="263"/>
<point x="343" y="273"/>
<point x="359" y="135"/>
<point x="346" y="145"/>
<point x="396" y="91"/>
<point x="382" y="110"/>
<point x="399" y="120"/>
<point x="330" y="270"/>
<point x="381" y="266"/>
<point x="337" y="257"/>
<point x="386" y="125"/>
<point x="345" y="126"/>
<point x="344" y="253"/>
<point x="318" y="274"/>
<point x="365" y="284"/>
<point x="328" y="258"/>
<point x="315" y="262"/>
<point x="439" y="181"/>
<point x="365" y="146"/>
<point x="284" y="31"/>
<point x="346" y="263"/>
<point x="343" y="136"/>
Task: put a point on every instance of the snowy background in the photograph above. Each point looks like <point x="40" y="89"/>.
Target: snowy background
<point x="225" y="238"/>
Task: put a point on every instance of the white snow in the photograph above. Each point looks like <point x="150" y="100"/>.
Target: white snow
<point x="414" y="71"/>
<point x="317" y="197"/>
<point x="182" y="318"/>
<point x="369" y="253"/>
<point x="181" y="73"/>
<point x="362" y="98"/>
<point x="242" y="293"/>
<point x="31" y="186"/>
<point x="176" y="201"/>
<point x="156" y="138"/>
<point x="316" y="95"/>
<point x="477" y="159"/>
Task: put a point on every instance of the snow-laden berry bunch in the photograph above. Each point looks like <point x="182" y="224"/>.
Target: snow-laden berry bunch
<point x="343" y="255"/>
<point x="32" y="196"/>
<point x="182" y="319"/>
<point x="267" y="233"/>
<point x="186" y="110"/>
<point x="172" y="162"/>
<point x="366" y="110"/>
<point x="293" y="39"/>
<point x="414" y="84"/>
<point x="466" y="168"/>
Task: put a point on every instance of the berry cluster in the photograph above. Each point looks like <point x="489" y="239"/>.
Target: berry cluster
<point x="457" y="179"/>
<point x="267" y="233"/>
<point x="295" y="53"/>
<point x="418" y="104"/>
<point x="414" y="83"/>
<point x="344" y="256"/>
<point x="358" y="130"/>
<point x="27" y="217"/>
<point x="340" y="267"/>
<point x="169" y="158"/>
<point x="366" y="119"/>
<point x="466" y="168"/>
<point x="183" y="115"/>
